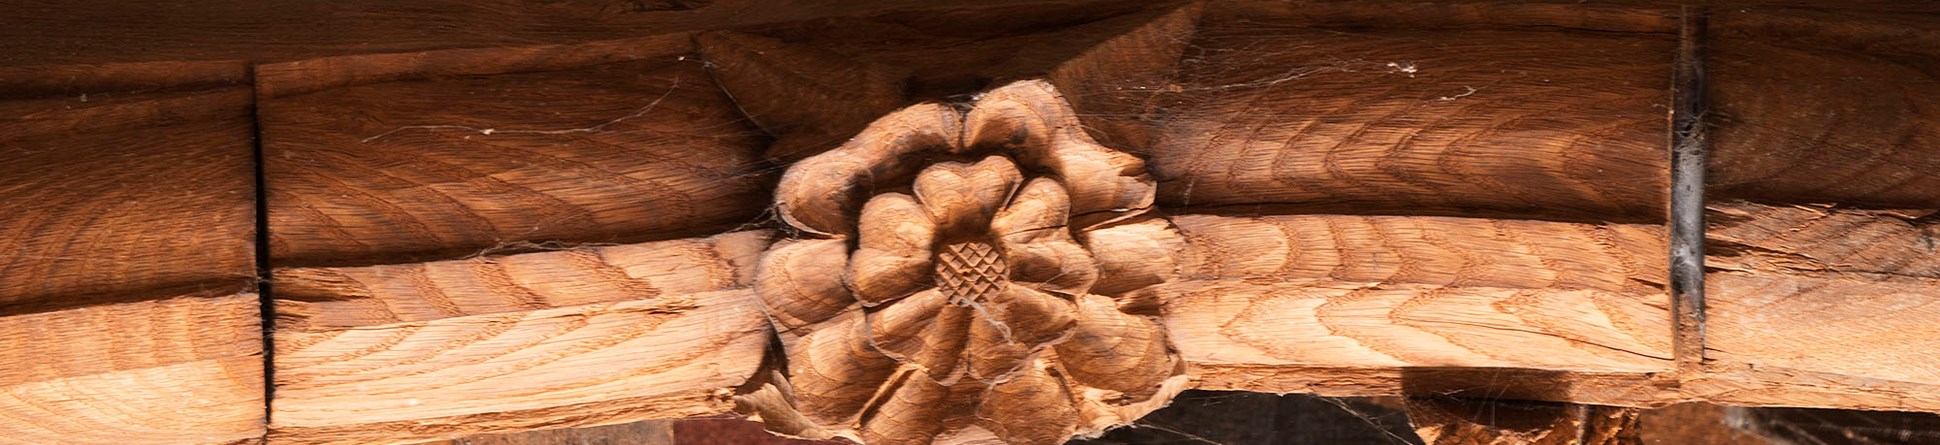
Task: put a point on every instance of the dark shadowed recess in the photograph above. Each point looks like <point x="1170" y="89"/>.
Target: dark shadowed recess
<point x="1208" y="417"/>
<point x="1242" y="418"/>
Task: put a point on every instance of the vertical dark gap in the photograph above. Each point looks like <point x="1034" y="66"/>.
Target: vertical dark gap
<point x="1688" y="147"/>
<point x="264" y="286"/>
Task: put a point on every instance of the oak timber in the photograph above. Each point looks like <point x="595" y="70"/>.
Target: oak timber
<point x="80" y="233"/>
<point x="1826" y="107"/>
<point x="107" y="33"/>
<point x="417" y="170"/>
<point x="176" y="370"/>
<point x="1824" y="287"/>
<point x="1477" y="121"/>
<point x="1393" y="297"/>
<point x="127" y="311"/>
<point x="577" y="337"/>
<point x="1458" y="198"/>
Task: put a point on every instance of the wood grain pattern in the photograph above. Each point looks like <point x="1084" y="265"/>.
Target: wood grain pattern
<point x="323" y="299"/>
<point x="282" y="79"/>
<point x="105" y="32"/>
<point x="1300" y="292"/>
<point x="126" y="257"/>
<point x="1823" y="106"/>
<point x="953" y="54"/>
<point x="811" y="100"/>
<point x="169" y="371"/>
<point x="1443" y="251"/>
<point x="571" y="366"/>
<point x="649" y="432"/>
<point x="1823" y="289"/>
<point x="435" y="169"/>
<point x="1348" y="15"/>
<point x="1795" y="288"/>
<point x="1112" y="84"/>
<point x="44" y="81"/>
<point x="79" y="231"/>
<point x="1471" y="122"/>
<point x="407" y="353"/>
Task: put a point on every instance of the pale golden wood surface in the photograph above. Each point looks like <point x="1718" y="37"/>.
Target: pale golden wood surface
<point x="331" y="298"/>
<point x="174" y="370"/>
<point x="1319" y="291"/>
<point x="406" y="353"/>
<point x="1839" y="303"/>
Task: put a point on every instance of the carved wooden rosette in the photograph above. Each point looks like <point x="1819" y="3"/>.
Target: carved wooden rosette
<point x="942" y="288"/>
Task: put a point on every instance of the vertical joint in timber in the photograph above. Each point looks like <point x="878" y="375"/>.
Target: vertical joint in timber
<point x="266" y="299"/>
<point x="1688" y="148"/>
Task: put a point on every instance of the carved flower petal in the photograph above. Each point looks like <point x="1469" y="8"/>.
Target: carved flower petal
<point x="965" y="196"/>
<point x="820" y="194"/>
<point x="1037" y="244"/>
<point x="1135" y="255"/>
<point x="892" y="259"/>
<point x="1040" y="208"/>
<point x="833" y="369"/>
<point x="1012" y="327"/>
<point x="1031" y="408"/>
<point x="1030" y="118"/>
<point x="1033" y="318"/>
<point x="800" y="282"/>
<point x="1112" y="350"/>
<point x="925" y="330"/>
<point x="917" y="409"/>
<point x="1051" y="265"/>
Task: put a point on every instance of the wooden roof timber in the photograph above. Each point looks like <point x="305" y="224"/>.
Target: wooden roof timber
<point x="1453" y="199"/>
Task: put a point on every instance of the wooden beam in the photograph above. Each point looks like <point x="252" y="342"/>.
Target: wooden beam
<point x="1796" y="288"/>
<point x="1371" y="305"/>
<point x="330" y="298"/>
<point x="93" y="32"/>
<point x="1795" y="126"/>
<point x="579" y="337"/>
<point x="404" y="171"/>
<point x="1475" y="121"/>
<point x="1824" y="288"/>
<point x="127" y="310"/>
<point x="170" y="371"/>
<point x="66" y="177"/>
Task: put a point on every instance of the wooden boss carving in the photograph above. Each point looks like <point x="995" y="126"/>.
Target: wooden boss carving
<point x="942" y="287"/>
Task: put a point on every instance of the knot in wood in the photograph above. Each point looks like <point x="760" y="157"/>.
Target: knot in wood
<point x="970" y="271"/>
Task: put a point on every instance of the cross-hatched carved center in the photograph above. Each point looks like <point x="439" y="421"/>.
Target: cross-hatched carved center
<point x="970" y="271"/>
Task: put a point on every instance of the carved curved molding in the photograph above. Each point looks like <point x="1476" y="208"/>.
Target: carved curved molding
<point x="943" y="286"/>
